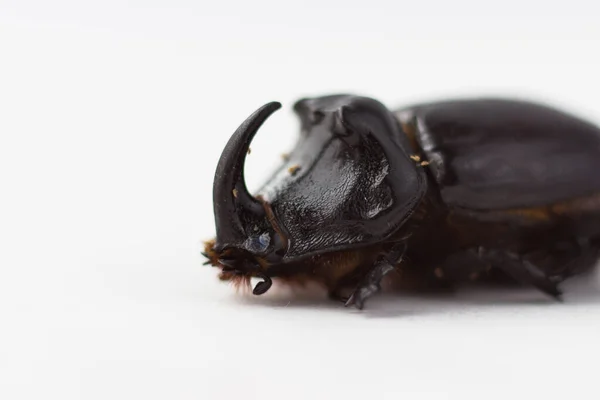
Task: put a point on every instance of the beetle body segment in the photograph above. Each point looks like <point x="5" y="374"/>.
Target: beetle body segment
<point x="489" y="154"/>
<point x="442" y="192"/>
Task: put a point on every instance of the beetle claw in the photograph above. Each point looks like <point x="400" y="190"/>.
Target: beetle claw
<point x="361" y="294"/>
<point x="355" y="301"/>
<point x="551" y="289"/>
<point x="352" y="302"/>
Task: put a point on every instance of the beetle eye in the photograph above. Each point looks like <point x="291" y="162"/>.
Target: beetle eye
<point x="260" y="243"/>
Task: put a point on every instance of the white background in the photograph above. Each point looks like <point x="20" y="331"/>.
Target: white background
<point x="112" y="117"/>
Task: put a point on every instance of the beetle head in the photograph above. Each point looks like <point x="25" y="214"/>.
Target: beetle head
<point x="245" y="236"/>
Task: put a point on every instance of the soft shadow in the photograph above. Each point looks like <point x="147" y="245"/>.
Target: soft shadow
<point x="283" y="298"/>
<point x="583" y="290"/>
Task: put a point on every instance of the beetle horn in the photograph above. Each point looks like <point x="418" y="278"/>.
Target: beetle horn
<point x="232" y="202"/>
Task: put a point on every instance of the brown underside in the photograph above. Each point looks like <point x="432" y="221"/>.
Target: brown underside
<point x="436" y="234"/>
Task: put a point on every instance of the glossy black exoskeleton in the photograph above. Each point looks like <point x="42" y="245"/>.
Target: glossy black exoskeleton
<point x="441" y="192"/>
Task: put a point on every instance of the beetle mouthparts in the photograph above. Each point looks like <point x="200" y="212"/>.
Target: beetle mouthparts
<point x="244" y="271"/>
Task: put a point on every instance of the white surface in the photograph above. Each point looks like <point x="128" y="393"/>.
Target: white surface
<point x="112" y="118"/>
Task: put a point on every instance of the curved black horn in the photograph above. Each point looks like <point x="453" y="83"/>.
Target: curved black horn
<point x="231" y="199"/>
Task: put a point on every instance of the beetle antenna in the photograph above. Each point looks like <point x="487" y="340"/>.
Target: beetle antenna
<point x="262" y="287"/>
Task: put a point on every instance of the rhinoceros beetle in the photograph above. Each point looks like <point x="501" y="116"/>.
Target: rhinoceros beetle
<point x="447" y="192"/>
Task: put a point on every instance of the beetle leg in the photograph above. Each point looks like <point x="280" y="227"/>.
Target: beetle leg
<point x="371" y="282"/>
<point x="521" y="270"/>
